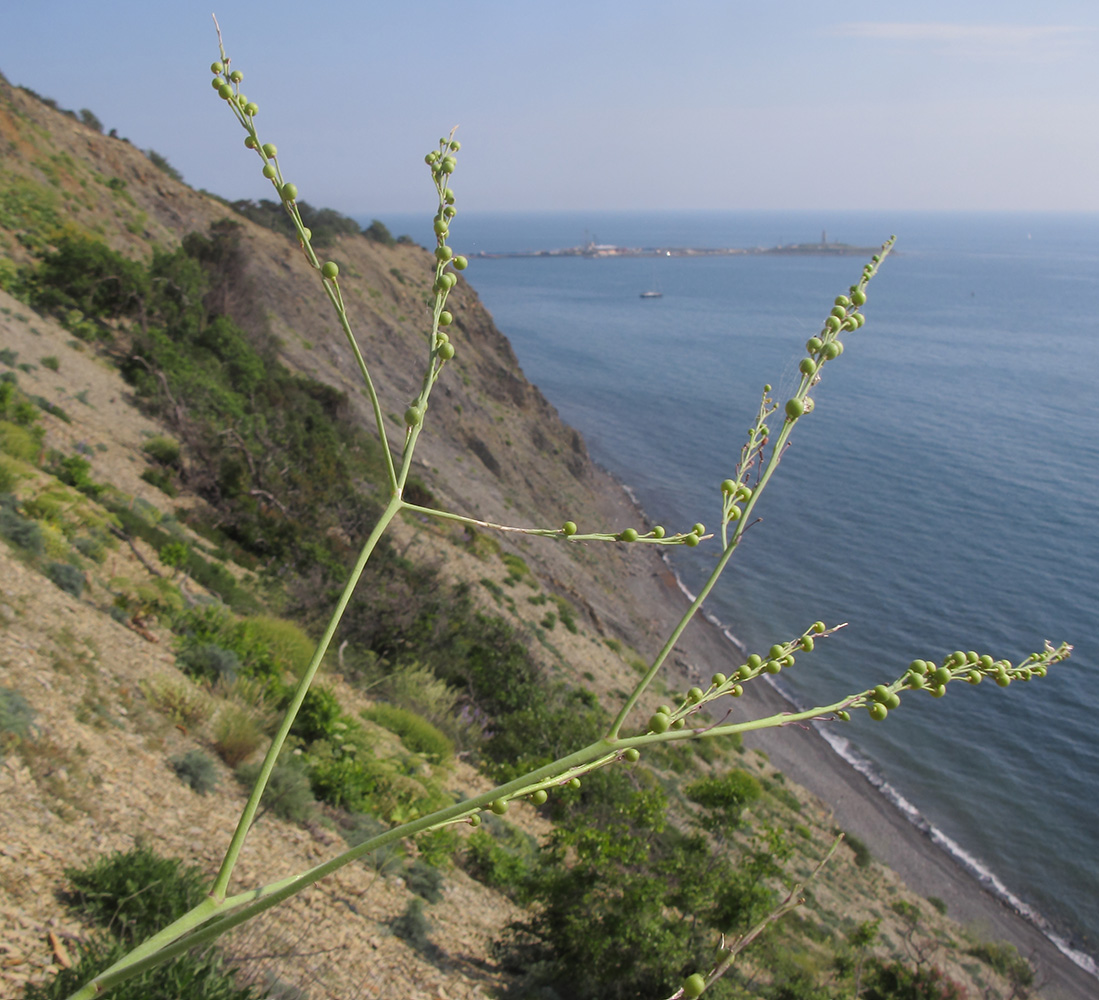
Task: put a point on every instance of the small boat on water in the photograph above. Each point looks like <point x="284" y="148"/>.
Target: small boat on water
<point x="652" y="294"/>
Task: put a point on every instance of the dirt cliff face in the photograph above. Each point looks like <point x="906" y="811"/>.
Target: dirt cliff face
<point x="493" y="446"/>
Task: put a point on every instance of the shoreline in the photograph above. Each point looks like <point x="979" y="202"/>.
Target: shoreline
<point x="917" y="852"/>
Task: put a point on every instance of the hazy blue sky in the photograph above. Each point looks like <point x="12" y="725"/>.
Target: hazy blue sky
<point x="584" y="105"/>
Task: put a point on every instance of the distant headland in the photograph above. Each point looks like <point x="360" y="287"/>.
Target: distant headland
<point x="593" y="249"/>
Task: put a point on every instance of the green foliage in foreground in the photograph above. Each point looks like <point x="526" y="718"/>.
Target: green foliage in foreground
<point x="130" y="895"/>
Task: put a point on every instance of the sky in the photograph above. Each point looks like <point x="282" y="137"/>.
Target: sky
<point x="603" y="104"/>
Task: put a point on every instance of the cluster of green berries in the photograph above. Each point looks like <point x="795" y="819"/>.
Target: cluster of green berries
<point x="227" y="86"/>
<point x="926" y="675"/>
<point x="539" y="796"/>
<point x="734" y="493"/>
<point x="657" y="534"/>
<point x="778" y="656"/>
<point x="443" y="163"/>
<point x="826" y="345"/>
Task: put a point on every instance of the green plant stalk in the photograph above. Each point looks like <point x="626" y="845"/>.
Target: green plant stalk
<point x="738" y="533"/>
<point x="221" y="883"/>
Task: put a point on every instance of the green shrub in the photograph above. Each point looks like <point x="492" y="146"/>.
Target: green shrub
<point x="863" y="857"/>
<point x="894" y="981"/>
<point x="287" y="795"/>
<point x="490" y="862"/>
<point x="210" y="661"/>
<point x="20" y="441"/>
<point x="1006" y="960"/>
<point x="203" y="976"/>
<point x="20" y="531"/>
<point x="16" y="718"/>
<point x="163" y="450"/>
<point x="51" y="362"/>
<point x="237" y="735"/>
<point x="135" y="892"/>
<point x="67" y="577"/>
<point x="196" y="769"/>
<point x="415" y="732"/>
<point x="319" y="716"/>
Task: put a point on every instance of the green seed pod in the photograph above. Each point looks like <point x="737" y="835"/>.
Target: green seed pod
<point x="851" y="323"/>
<point x="1003" y="680"/>
<point x="445" y="281"/>
<point x="987" y="662"/>
<point x="718" y="679"/>
<point x="788" y="660"/>
<point x="574" y="783"/>
<point x="808" y="366"/>
<point x="251" y="109"/>
<point x="737" y="691"/>
<point x="860" y="320"/>
<point x="773" y="666"/>
<point x="269" y="171"/>
<point x="878" y="711"/>
<point x="249" y="142"/>
<point x="734" y="513"/>
<point x="858" y="296"/>
<point x="659" y="723"/>
<point x="814" y="344"/>
<point x="941" y="675"/>
<point x="443" y="253"/>
<point x="629" y="535"/>
<point x="794" y="408"/>
<point x="690" y="540"/>
<point x="807" y="643"/>
<point x="632" y="755"/>
<point x="974" y="677"/>
<point x="539" y="797"/>
<point x="448" y="164"/>
<point x="414" y="416"/>
<point x="744" y="493"/>
<point x="216" y="83"/>
<point x="755" y="661"/>
<point x="819" y="627"/>
<point x="693" y="986"/>
<point x="448" y="196"/>
<point x="289" y="192"/>
<point x="446" y="318"/>
<point x="441" y="227"/>
<point x="831" y="323"/>
<point x="658" y="531"/>
<point x="499" y="807"/>
<point x="216" y="67"/>
<point x="745" y="673"/>
<point x="694" y="696"/>
<point x="664" y="708"/>
<point x="881" y="693"/>
<point x="236" y="76"/>
<point x="839" y="312"/>
<point x="843" y="716"/>
<point x="307" y="233"/>
<point x="270" y="150"/>
<point x="831" y="350"/>
<point x="937" y="690"/>
<point x="679" y="723"/>
<point x="915" y="681"/>
<point x="474" y="820"/>
<point x="918" y="666"/>
<point x="699" y="529"/>
<point x="445" y="351"/>
<point x="449" y="211"/>
<point x="431" y="157"/>
<point x="893" y="701"/>
<point x="455" y="145"/>
<point x="460" y="263"/>
<point x="568" y="528"/>
<point x="225" y="92"/>
<point x="776" y="652"/>
<point x="330" y="269"/>
<point x="728" y="486"/>
<point x="842" y="300"/>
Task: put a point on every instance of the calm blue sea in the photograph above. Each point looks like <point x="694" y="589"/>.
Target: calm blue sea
<point x="942" y="495"/>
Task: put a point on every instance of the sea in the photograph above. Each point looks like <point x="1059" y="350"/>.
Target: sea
<point x="943" y="494"/>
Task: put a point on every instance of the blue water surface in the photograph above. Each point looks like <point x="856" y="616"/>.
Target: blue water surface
<point x="942" y="495"/>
